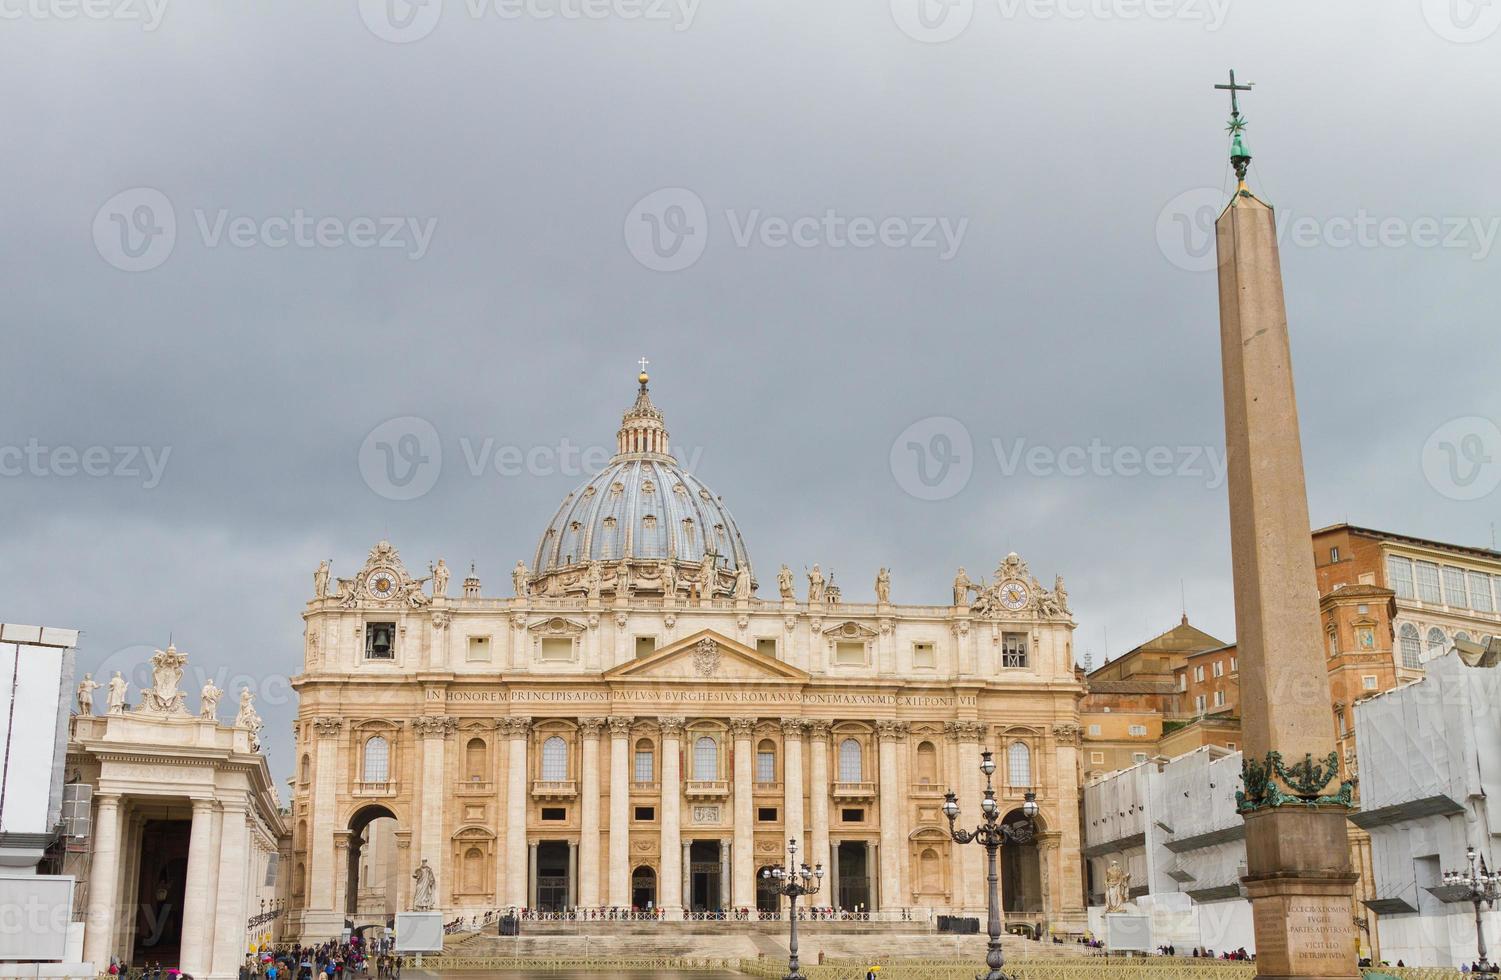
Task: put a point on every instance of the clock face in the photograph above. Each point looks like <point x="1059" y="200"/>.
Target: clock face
<point x="381" y="583"/>
<point x="1013" y="595"/>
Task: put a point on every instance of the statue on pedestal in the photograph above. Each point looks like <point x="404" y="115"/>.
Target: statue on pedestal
<point x="320" y="580"/>
<point x="119" y="689"/>
<point x="440" y="579"/>
<point x="208" y="701"/>
<point x="669" y="579"/>
<point x="86" y="689"/>
<point x="425" y="889"/>
<point x="784" y="582"/>
<point x="883" y="586"/>
<point x="1117" y="888"/>
<point x="248" y="719"/>
<point x="962" y="587"/>
<point x="743" y="582"/>
<point x="519" y="580"/>
<point x="815" y="584"/>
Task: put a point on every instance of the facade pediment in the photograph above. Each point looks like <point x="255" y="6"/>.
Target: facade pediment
<point x="707" y="655"/>
<point x="850" y="630"/>
<point x="556" y="626"/>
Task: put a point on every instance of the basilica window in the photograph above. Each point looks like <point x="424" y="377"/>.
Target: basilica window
<point x="1333" y="641"/>
<point x="554" y="759"/>
<point x="645" y="646"/>
<point x="1411" y="646"/>
<point x="850" y="653"/>
<point x="1013" y="649"/>
<point x="1454" y="587"/>
<point x="1399" y="577"/>
<point x="1428" y="587"/>
<point x="766" y="646"/>
<point x="380" y="641"/>
<point x="1437" y="642"/>
<point x="1480" y="592"/>
<point x="645" y="762"/>
<point x="766" y="762"/>
<point x="705" y="759"/>
<point x="377" y="768"/>
<point x="923" y="655"/>
<point x="1368" y="682"/>
<point x="556" y="648"/>
<point x="1019" y="765"/>
<point x="851" y="765"/>
<point x="479" y="650"/>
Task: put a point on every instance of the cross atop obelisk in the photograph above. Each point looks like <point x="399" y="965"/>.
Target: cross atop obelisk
<point x="1239" y="156"/>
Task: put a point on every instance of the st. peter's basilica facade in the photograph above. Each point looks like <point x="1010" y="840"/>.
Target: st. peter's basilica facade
<point x="636" y="728"/>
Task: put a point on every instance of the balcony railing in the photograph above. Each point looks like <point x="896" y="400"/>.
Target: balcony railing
<point x="554" y="789"/>
<point x="766" y="789"/>
<point x="643" y="786"/>
<point x="382" y="787"/>
<point x="707" y="788"/>
<point x="475" y="787"/>
<point x="927" y="789"/>
<point x="855" y="791"/>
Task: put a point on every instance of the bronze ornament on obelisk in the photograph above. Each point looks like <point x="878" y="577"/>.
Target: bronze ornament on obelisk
<point x="1294" y="802"/>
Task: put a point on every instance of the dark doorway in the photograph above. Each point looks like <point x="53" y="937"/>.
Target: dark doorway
<point x="163" y="882"/>
<point x="1021" y="871"/>
<point x="768" y="899"/>
<point x="359" y="836"/>
<point x="704" y="871"/>
<point x="854" y="875"/>
<point x="552" y="875"/>
<point x="643" y="888"/>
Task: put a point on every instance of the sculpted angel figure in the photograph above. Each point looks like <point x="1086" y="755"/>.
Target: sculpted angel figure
<point x="86" y="689"/>
<point x="883" y="585"/>
<point x="784" y="582"/>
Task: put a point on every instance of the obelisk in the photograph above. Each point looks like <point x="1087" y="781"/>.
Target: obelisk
<point x="1294" y="802"/>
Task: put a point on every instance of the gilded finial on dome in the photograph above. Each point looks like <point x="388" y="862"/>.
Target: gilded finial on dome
<point x="642" y="377"/>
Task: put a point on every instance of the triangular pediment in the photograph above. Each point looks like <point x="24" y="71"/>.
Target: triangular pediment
<point x="707" y="656"/>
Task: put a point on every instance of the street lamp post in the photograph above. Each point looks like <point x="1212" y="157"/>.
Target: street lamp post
<point x="1482" y="887"/>
<point x="794" y="881"/>
<point x="991" y="835"/>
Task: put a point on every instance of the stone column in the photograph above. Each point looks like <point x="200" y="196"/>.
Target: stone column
<point x="1298" y="858"/>
<point x="320" y="887"/>
<point x="620" y="811"/>
<point x="671" y="879"/>
<point x="404" y="868"/>
<point x="573" y="875"/>
<point x="99" y="934"/>
<point x="531" y="875"/>
<point x="516" y="730"/>
<point x="197" y="903"/>
<point x="969" y="859"/>
<point x="230" y="912"/>
<point x="726" y="852"/>
<point x="346" y="883"/>
<point x="891" y="734"/>
<point x="818" y="796"/>
<point x="434" y="731"/>
<point x="792" y="780"/>
<point x="587" y="886"/>
<point x="1068" y="873"/>
<point x="743" y="875"/>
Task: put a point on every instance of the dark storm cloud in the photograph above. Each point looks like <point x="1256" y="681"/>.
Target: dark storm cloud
<point x="931" y="300"/>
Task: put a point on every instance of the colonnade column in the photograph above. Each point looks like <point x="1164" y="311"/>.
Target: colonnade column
<point x="969" y="860"/>
<point x="792" y="779"/>
<point x="320" y="886"/>
<point x="100" y="931"/>
<point x="670" y="884"/>
<point x="197" y="904"/>
<point x="234" y="868"/>
<point x="620" y="811"/>
<point x="516" y="730"/>
<point x="588" y="870"/>
<point x="433" y="730"/>
<point x="891" y="734"/>
<point x="743" y="870"/>
<point x="818" y="796"/>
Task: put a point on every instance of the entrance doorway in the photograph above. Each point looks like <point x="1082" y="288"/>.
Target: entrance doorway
<point x="643" y="888"/>
<point x="705" y="871"/>
<point x="163" y="885"/>
<point x="1021" y="871"/>
<point x="854" y="875"/>
<point x="552" y="876"/>
<point x="768" y="899"/>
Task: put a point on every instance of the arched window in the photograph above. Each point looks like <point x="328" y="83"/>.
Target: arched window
<point x="927" y="764"/>
<point x="705" y="758"/>
<point x="474" y="760"/>
<point x="766" y="761"/>
<point x="1461" y="635"/>
<point x="554" y="759"/>
<point x="307" y="769"/>
<point x="646" y="762"/>
<point x="851" y="767"/>
<point x="377" y="760"/>
<point x="1437" y="642"/>
<point x="1412" y="646"/>
<point x="1019" y="765"/>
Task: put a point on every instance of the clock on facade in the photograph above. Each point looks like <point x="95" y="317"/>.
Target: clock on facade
<point x="1013" y="595"/>
<point x="381" y="583"/>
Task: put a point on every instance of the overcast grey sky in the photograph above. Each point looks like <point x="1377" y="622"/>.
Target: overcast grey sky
<point x="245" y="235"/>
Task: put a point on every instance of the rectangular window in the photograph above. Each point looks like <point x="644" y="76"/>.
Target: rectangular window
<point x="555" y="648"/>
<point x="766" y="814"/>
<point x="766" y="646"/>
<point x="852" y="815"/>
<point x="766" y="767"/>
<point x="1368" y="682"/>
<point x="1480" y="592"/>
<point x="555" y="813"/>
<point x="644" y="770"/>
<point x="380" y="641"/>
<point x="646" y="813"/>
<point x="1454" y="587"/>
<point x="1233" y="665"/>
<point x="1013" y="650"/>
<point x="1138" y="757"/>
<point x="1334" y="554"/>
<point x="923" y="655"/>
<point x="1399" y="577"/>
<point x="479" y="650"/>
<point x="1182" y="681"/>
<point x="849" y="653"/>
<point x="1199" y="674"/>
<point x="1230" y="746"/>
<point x="1219" y="668"/>
<point x="1096" y="758"/>
<point x="1199" y="703"/>
<point x="1427" y="576"/>
<point x="1219" y="699"/>
<point x="1094" y="730"/>
<point x="645" y="646"/>
<point x="1138" y="731"/>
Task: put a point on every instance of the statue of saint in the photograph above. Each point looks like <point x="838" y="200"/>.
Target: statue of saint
<point x="425" y="888"/>
<point x="1060" y="593"/>
<point x="119" y="688"/>
<point x="1117" y="888"/>
<point x="320" y="580"/>
<point x="208" y="700"/>
<point x="594" y="579"/>
<point x="519" y="580"/>
<point x="247" y="718"/>
<point x="883" y="585"/>
<point x="743" y="582"/>
<point x="962" y="587"/>
<point x="86" y="689"/>
<point x="706" y="576"/>
<point x="670" y="579"/>
<point x="815" y="584"/>
<point x="622" y="581"/>
<point x="440" y="579"/>
<point x="784" y="582"/>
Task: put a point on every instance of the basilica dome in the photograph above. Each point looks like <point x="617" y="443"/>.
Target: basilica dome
<point x="642" y="509"/>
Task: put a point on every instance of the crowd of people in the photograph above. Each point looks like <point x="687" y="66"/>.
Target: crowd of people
<point x="325" y="961"/>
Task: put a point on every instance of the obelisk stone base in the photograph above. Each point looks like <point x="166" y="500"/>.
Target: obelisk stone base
<point x="1305" y="921"/>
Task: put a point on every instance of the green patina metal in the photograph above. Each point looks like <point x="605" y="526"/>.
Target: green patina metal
<point x="1304" y="781"/>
